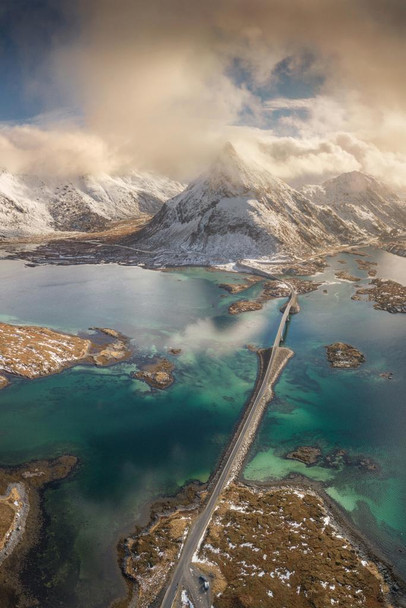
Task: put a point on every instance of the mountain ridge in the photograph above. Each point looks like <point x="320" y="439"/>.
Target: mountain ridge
<point x="32" y="205"/>
<point x="238" y="209"/>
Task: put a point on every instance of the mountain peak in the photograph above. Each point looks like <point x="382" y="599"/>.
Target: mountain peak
<point x="233" y="174"/>
<point x="358" y="184"/>
<point x="228" y="152"/>
<point x="228" y="160"/>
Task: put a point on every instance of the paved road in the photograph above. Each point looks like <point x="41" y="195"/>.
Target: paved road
<point x="103" y="244"/>
<point x="182" y="573"/>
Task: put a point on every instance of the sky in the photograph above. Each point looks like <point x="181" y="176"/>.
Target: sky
<point x="309" y="88"/>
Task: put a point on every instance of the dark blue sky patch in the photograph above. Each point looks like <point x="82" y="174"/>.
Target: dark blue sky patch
<point x="29" y="31"/>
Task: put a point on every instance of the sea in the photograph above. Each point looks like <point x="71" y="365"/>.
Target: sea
<point x="136" y="444"/>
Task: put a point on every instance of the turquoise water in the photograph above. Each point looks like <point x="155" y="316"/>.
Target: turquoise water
<point x="135" y="444"/>
<point x="355" y="410"/>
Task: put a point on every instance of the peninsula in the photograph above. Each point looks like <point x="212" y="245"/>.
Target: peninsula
<point x="30" y="352"/>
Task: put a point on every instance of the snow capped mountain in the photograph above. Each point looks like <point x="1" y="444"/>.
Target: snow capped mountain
<point x="361" y="201"/>
<point x="31" y="205"/>
<point x="238" y="210"/>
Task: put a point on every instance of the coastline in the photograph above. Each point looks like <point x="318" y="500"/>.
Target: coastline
<point x="307" y="481"/>
<point x="363" y="545"/>
<point x="36" y="476"/>
<point x="366" y="546"/>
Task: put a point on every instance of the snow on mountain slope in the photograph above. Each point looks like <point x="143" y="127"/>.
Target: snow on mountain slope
<point x="31" y="205"/>
<point x="362" y="201"/>
<point x="240" y="210"/>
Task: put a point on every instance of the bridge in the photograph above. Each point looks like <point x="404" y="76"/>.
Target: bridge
<point x="183" y="576"/>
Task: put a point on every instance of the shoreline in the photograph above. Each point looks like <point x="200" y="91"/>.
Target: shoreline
<point x="362" y="540"/>
<point x="36" y="476"/>
<point x="367" y="547"/>
<point x="363" y="545"/>
<point x="73" y="251"/>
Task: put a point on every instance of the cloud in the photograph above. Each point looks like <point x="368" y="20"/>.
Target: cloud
<point x="155" y="85"/>
<point x="55" y="151"/>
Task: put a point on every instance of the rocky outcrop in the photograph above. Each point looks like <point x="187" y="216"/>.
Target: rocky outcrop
<point x="175" y="351"/>
<point x="346" y="276"/>
<point x="368" y="266"/>
<point x="305" y="453"/>
<point x="234" y="288"/>
<point x="386" y="295"/>
<point x="157" y="374"/>
<point x="244" y="306"/>
<point x="343" y="355"/>
<point x="397" y="248"/>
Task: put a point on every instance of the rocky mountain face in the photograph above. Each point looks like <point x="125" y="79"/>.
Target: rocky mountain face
<point x="30" y="205"/>
<point x="362" y="202"/>
<point x="238" y="209"/>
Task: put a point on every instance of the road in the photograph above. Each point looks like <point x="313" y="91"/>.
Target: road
<point x="103" y="244"/>
<point x="182" y="572"/>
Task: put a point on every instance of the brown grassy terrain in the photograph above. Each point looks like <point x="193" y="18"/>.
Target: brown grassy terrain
<point x="269" y="547"/>
<point x="115" y="230"/>
<point x="29" y="478"/>
<point x="148" y="555"/>
<point x="281" y="547"/>
<point x="31" y="351"/>
<point x="152" y="555"/>
<point x="386" y="295"/>
<point x="343" y="355"/>
<point x="7" y="514"/>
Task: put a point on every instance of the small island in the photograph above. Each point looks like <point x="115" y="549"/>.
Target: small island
<point x="368" y="266"/>
<point x="305" y="453"/>
<point x="248" y="282"/>
<point x="270" y="290"/>
<point x="31" y="352"/>
<point x="386" y="295"/>
<point x="175" y="351"/>
<point x="346" y="276"/>
<point x="244" y="306"/>
<point x="344" y="356"/>
<point x="157" y="374"/>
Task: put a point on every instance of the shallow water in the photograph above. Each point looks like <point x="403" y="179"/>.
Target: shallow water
<point x="135" y="444"/>
<point x="354" y="410"/>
